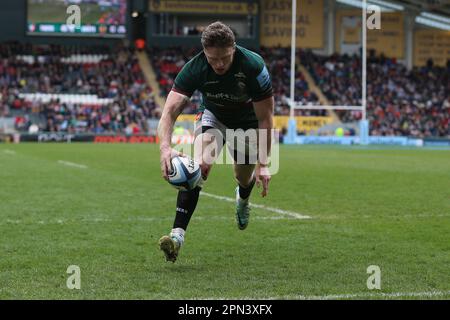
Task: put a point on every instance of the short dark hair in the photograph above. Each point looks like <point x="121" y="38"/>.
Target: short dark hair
<point x="218" y="35"/>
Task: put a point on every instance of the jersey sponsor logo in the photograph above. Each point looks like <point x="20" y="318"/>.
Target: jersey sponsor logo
<point x="211" y="82"/>
<point x="264" y="79"/>
<point x="223" y="96"/>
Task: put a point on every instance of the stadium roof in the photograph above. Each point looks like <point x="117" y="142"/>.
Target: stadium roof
<point x="432" y="13"/>
<point x="436" y="6"/>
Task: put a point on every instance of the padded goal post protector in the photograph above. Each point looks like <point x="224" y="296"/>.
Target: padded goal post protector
<point x="291" y="132"/>
<point x="364" y="132"/>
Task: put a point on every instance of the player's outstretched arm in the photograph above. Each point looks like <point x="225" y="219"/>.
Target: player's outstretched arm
<point x="172" y="109"/>
<point x="264" y="112"/>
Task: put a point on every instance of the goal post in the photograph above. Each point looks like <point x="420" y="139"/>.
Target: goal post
<point x="363" y="125"/>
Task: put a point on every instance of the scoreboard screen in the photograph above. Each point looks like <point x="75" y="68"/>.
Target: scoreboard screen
<point x="93" y="18"/>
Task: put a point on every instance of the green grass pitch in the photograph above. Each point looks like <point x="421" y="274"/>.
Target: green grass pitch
<point x="384" y="207"/>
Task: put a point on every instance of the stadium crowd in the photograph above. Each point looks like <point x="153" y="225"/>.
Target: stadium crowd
<point x="167" y="62"/>
<point x="116" y="76"/>
<point x="400" y="101"/>
<point x="278" y="61"/>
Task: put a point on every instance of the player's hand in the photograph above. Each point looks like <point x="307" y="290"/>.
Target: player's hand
<point x="263" y="178"/>
<point x="205" y="168"/>
<point x="167" y="154"/>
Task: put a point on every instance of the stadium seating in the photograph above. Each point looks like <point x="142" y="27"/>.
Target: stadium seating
<point x="278" y="61"/>
<point x="399" y="102"/>
<point x="74" y="89"/>
<point x="103" y="90"/>
<point x="167" y="63"/>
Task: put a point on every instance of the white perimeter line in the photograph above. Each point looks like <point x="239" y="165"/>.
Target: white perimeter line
<point x="362" y="295"/>
<point x="276" y="210"/>
<point x="71" y="164"/>
<point x="7" y="151"/>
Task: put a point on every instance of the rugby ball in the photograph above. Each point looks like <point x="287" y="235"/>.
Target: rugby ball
<point x="185" y="173"/>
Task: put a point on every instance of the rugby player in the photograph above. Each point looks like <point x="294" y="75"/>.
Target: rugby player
<point x="236" y="94"/>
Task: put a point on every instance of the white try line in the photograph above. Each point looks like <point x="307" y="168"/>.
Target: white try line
<point x="362" y="295"/>
<point x="120" y="220"/>
<point x="71" y="164"/>
<point x="259" y="206"/>
<point x="135" y="219"/>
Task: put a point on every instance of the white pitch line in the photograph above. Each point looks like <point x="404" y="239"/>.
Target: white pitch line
<point x="430" y="294"/>
<point x="118" y="220"/>
<point x="130" y="219"/>
<point x="362" y="295"/>
<point x="71" y="164"/>
<point x="7" y="151"/>
<point x="276" y="210"/>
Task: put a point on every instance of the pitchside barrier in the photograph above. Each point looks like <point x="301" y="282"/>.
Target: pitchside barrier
<point x="60" y="137"/>
<point x="355" y="140"/>
<point x="69" y="138"/>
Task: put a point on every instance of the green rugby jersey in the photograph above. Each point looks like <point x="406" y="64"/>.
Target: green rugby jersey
<point x="229" y="97"/>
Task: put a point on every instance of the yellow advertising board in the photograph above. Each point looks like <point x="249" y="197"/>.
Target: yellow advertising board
<point x="306" y="124"/>
<point x="352" y="35"/>
<point x="209" y="7"/>
<point x="431" y="43"/>
<point x="389" y="40"/>
<point x="276" y="23"/>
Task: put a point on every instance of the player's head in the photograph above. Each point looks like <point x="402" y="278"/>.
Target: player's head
<point x="218" y="43"/>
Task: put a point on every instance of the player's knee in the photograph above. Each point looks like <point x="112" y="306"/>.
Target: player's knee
<point x="244" y="180"/>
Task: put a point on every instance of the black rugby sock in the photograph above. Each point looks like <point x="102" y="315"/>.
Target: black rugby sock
<point x="186" y="203"/>
<point x="244" y="193"/>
